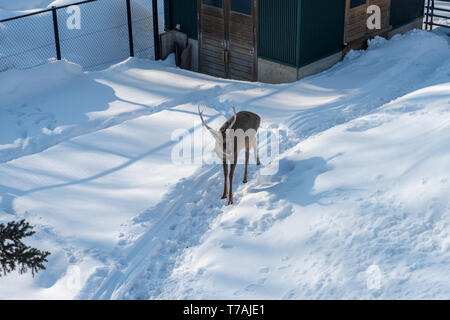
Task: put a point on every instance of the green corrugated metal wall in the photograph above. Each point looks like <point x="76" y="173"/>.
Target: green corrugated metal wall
<point x="405" y="11"/>
<point x="321" y="29"/>
<point x="278" y="30"/>
<point x="184" y="13"/>
<point x="298" y="32"/>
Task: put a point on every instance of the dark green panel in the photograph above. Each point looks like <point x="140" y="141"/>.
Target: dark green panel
<point x="321" y="29"/>
<point x="242" y="6"/>
<point x="278" y="30"/>
<point x="184" y="13"/>
<point x="357" y="3"/>
<point x="214" y="3"/>
<point x="405" y="11"/>
<point x="166" y="15"/>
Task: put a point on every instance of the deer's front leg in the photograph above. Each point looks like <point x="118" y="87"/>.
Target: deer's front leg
<point x="232" y="168"/>
<point x="255" y="152"/>
<point x="230" y="196"/>
<point x="247" y="155"/>
<point x="225" y="173"/>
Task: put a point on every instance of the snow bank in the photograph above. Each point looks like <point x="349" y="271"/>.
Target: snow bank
<point x="17" y="86"/>
<point x="17" y="5"/>
<point x="361" y="211"/>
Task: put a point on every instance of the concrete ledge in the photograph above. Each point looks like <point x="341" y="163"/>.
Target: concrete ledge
<point x="415" y="24"/>
<point x="273" y="72"/>
<point x="194" y="57"/>
<point x="319" y="66"/>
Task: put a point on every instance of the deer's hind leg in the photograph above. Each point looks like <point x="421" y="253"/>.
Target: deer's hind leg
<point x="247" y="155"/>
<point x="230" y="196"/>
<point x="232" y="168"/>
<point x="225" y="173"/>
<point x="255" y="151"/>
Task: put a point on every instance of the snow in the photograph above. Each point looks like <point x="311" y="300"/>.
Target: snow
<point x="371" y="192"/>
<point x="358" y="208"/>
<point x="19" y="5"/>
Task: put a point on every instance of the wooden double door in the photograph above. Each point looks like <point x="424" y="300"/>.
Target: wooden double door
<point x="227" y="38"/>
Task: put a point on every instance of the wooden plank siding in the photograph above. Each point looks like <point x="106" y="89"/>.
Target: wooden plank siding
<point x="227" y="42"/>
<point x="356" y="31"/>
<point x="242" y="62"/>
<point x="211" y="40"/>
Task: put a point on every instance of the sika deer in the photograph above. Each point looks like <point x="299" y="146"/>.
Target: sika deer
<point x="236" y="133"/>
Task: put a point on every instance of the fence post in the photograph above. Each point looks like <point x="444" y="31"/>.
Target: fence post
<point x="432" y="15"/>
<point x="130" y="28"/>
<point x="156" y="28"/>
<point x="56" y="30"/>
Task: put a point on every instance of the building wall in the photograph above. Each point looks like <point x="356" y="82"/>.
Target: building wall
<point x="405" y="11"/>
<point x="278" y="28"/>
<point x="296" y="38"/>
<point x="273" y="72"/>
<point x="184" y="13"/>
<point x="299" y="32"/>
<point x="294" y="32"/>
<point x="321" y="29"/>
<point x="415" y="24"/>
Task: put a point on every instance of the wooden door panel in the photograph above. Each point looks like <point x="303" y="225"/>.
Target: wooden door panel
<point x="242" y="47"/>
<point x="212" y="35"/>
<point x="227" y="40"/>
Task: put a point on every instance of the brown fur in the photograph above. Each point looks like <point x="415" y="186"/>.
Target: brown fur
<point x="245" y="120"/>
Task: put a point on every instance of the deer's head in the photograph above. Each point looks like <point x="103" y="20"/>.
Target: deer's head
<point x="224" y="140"/>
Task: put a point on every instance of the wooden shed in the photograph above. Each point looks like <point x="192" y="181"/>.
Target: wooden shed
<point x="281" y="40"/>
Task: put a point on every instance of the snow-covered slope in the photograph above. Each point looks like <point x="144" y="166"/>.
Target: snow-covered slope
<point x="360" y="211"/>
<point x="19" y="5"/>
<point x="358" y="208"/>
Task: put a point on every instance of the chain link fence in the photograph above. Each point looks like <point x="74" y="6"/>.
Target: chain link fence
<point x="94" y="34"/>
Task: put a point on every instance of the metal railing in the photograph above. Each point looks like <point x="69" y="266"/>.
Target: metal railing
<point x="110" y="31"/>
<point x="430" y="14"/>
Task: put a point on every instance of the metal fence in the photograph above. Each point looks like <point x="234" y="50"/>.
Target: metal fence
<point x="436" y="14"/>
<point x="92" y="33"/>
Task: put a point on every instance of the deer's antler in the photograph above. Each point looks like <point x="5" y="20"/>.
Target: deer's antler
<point x="234" y="120"/>
<point x="215" y="133"/>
